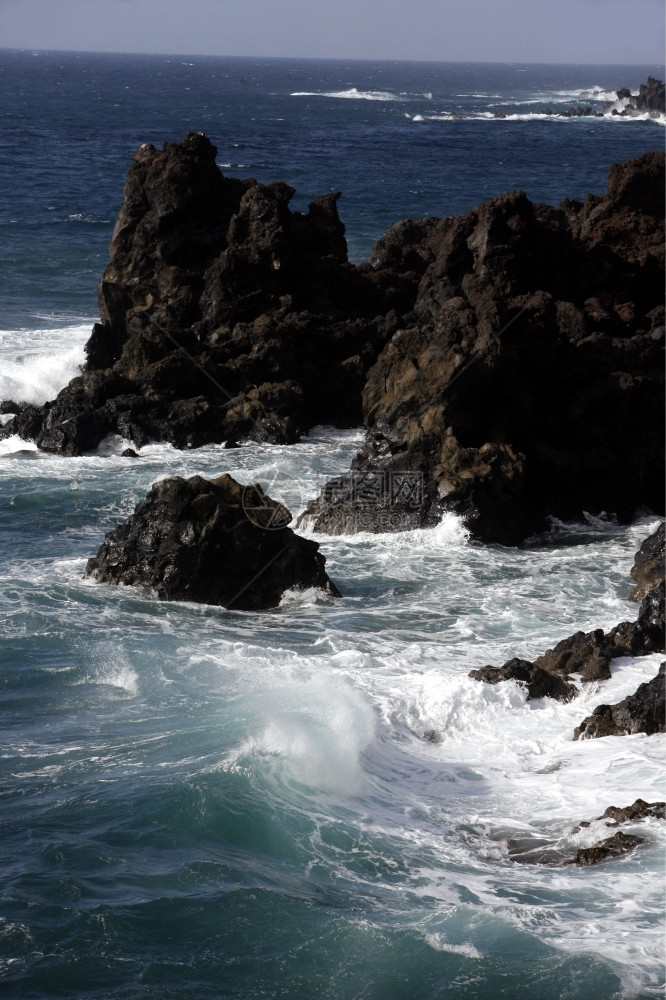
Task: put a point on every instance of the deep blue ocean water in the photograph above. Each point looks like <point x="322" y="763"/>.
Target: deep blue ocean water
<point x="199" y="803"/>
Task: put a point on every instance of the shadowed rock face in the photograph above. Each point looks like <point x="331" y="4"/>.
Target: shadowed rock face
<point x="648" y="568"/>
<point x="526" y="379"/>
<point x="510" y="360"/>
<point x="214" y="542"/>
<point x="224" y="315"/>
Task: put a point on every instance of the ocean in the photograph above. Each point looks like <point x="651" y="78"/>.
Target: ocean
<point x="313" y="801"/>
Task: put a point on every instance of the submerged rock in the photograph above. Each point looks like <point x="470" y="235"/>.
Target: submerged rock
<point x="214" y="542"/>
<point x="532" y="850"/>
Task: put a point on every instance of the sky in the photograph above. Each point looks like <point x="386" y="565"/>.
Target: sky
<point x="530" y="31"/>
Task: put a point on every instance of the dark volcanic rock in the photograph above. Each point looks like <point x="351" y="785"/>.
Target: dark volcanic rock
<point x="638" y="810"/>
<point x="223" y="315"/>
<point x="651" y="97"/>
<point x="540" y="683"/>
<point x="541" y="851"/>
<point x="506" y="363"/>
<point x="522" y="382"/>
<point x="587" y="655"/>
<point x="620" y="843"/>
<point x="648" y="568"/>
<point x="641" y="712"/>
<point x="214" y="542"/>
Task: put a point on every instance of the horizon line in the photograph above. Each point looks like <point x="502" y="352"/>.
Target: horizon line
<point x="287" y="58"/>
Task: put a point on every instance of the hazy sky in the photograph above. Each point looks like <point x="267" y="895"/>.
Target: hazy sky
<point x="587" y="31"/>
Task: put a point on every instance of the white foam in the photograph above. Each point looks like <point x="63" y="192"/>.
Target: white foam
<point x="36" y="364"/>
<point x="594" y="93"/>
<point x="352" y="94"/>
<point x="439" y="942"/>
<point x="112" y="668"/>
<point x="309" y="597"/>
<point x="14" y="444"/>
<point x="315" y="727"/>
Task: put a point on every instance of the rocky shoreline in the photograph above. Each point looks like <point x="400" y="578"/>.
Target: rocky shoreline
<point x="586" y="657"/>
<point x="650" y="99"/>
<point x="506" y="363"/>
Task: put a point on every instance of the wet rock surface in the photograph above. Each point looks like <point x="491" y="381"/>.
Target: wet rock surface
<point x="530" y="850"/>
<point x="651" y="98"/>
<point x="587" y="655"/>
<point x="648" y="568"/>
<point x="641" y="712"/>
<point x="211" y="541"/>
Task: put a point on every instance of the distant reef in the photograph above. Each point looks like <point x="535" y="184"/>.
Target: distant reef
<point x="507" y="364"/>
<point x="650" y="99"/>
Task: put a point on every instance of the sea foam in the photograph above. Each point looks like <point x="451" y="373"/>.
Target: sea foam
<point x="36" y="364"/>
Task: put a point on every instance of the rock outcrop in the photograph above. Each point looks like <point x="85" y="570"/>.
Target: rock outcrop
<point x="641" y="712"/>
<point x="651" y="98"/>
<point x="506" y="363"/>
<point x="525" y="380"/>
<point x="224" y="315"/>
<point x="648" y="569"/>
<point x="214" y="542"/>
<point x="587" y="656"/>
<point x="541" y="851"/>
<point x="636" y="812"/>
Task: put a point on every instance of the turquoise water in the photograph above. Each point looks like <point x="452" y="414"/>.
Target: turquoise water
<point x="206" y="803"/>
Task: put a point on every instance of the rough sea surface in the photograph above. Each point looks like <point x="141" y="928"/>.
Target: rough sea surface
<point x="315" y="801"/>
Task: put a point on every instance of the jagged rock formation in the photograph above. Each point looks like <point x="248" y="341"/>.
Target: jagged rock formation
<point x="648" y="568"/>
<point x="644" y="711"/>
<point x="637" y="811"/>
<point x="224" y="315"/>
<point x="588" y="656"/>
<point x="525" y="380"/>
<point x="214" y="542"/>
<point x="651" y="97"/>
<point x="509" y="361"/>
